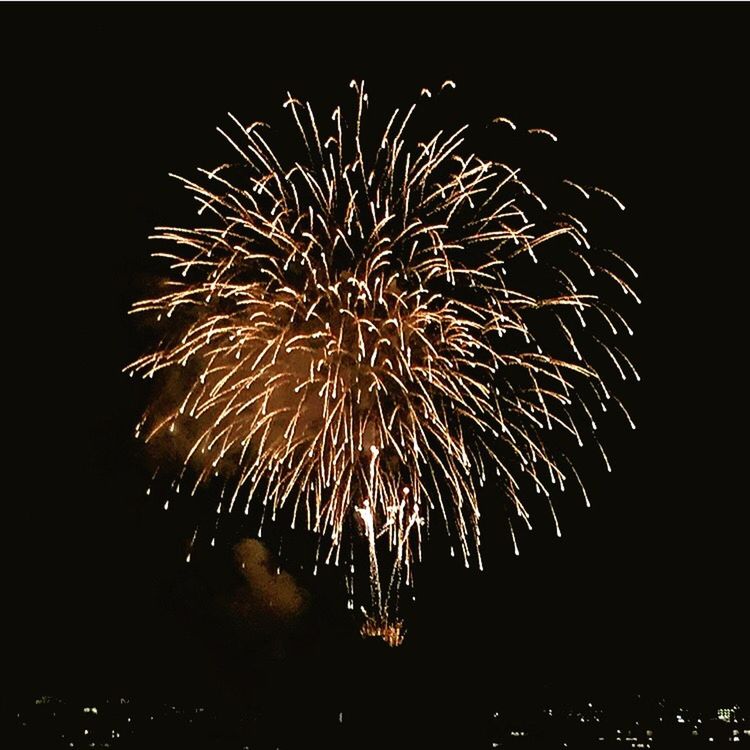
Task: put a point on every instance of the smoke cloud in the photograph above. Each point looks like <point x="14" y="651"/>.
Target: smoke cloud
<point x="267" y="594"/>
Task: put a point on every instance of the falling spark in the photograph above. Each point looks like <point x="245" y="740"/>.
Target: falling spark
<point x="619" y="203"/>
<point x="543" y="132"/>
<point x="353" y="348"/>
<point x="505" y="121"/>
<point x="585" y="193"/>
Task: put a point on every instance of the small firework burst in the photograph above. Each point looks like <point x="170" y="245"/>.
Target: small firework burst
<point x="392" y="632"/>
<point x="347" y="340"/>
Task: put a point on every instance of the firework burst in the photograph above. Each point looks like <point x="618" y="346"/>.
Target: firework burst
<point x="352" y="350"/>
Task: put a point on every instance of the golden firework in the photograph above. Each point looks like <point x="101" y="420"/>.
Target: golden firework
<point x="345" y="339"/>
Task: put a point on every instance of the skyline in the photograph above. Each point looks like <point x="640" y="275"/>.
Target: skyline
<point x="634" y="722"/>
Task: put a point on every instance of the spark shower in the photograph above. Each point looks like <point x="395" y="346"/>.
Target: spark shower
<point x="360" y="336"/>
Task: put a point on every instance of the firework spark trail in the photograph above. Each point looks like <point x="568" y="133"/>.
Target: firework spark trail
<point x="352" y="346"/>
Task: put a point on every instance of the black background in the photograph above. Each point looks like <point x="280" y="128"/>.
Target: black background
<point x="644" y="592"/>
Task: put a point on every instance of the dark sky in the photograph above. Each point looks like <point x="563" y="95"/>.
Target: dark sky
<point x="645" y="591"/>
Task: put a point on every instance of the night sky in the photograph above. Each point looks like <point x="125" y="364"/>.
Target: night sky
<point x="645" y="591"/>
